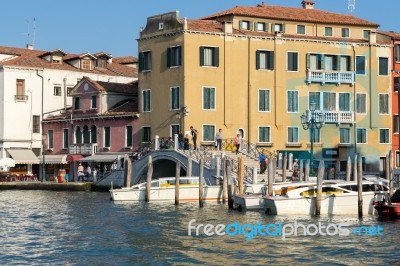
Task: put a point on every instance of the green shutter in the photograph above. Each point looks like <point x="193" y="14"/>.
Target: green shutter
<point x="240" y="24"/>
<point x="216" y="57"/>
<point x="351" y="64"/>
<point x="180" y="55"/>
<point x="201" y="56"/>
<point x="322" y="61"/>
<point x="273" y="27"/>
<point x="257" y="59"/>
<point x="308" y="61"/>
<point x="141" y="62"/>
<point x="266" y="27"/>
<point x="283" y="27"/>
<point x="169" y="54"/>
<point x="271" y="62"/>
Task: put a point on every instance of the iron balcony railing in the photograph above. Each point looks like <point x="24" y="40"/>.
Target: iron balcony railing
<point x="84" y="149"/>
<point x="323" y="76"/>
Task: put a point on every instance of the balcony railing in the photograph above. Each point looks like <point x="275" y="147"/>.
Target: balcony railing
<point x="20" y="97"/>
<point x="322" y="76"/>
<point x="84" y="149"/>
<point x="336" y="117"/>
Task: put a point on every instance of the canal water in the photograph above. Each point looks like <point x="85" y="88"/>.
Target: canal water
<point x="86" y="228"/>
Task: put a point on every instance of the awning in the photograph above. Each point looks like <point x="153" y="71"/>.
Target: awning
<point x="100" y="158"/>
<point x="23" y="156"/>
<point x="74" y="157"/>
<point x="54" y="159"/>
<point x="7" y="162"/>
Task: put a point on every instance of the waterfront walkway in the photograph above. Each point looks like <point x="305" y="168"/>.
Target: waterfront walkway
<point x="47" y="185"/>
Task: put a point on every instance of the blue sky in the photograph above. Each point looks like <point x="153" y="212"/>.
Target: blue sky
<point x="78" y="26"/>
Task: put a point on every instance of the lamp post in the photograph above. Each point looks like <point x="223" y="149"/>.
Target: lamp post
<point x="312" y="121"/>
<point x="183" y="111"/>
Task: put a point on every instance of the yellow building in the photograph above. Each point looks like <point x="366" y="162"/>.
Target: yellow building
<point x="256" y="70"/>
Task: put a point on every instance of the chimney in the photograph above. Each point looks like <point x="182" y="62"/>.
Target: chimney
<point x="308" y="4"/>
<point x="227" y="27"/>
<point x="372" y="37"/>
<point x="185" y="24"/>
<point x="29" y="46"/>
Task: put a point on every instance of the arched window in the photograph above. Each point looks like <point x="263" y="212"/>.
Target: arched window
<point x="93" y="134"/>
<point x="86" y="135"/>
<point x="78" y="135"/>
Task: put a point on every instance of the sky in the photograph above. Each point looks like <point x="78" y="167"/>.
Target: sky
<point x="78" y="26"/>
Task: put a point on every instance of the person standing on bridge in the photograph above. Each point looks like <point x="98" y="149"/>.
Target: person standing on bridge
<point x="263" y="162"/>
<point x="218" y="139"/>
<point x="194" y="136"/>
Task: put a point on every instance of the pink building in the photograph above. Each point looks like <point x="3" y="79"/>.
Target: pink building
<point x="101" y="126"/>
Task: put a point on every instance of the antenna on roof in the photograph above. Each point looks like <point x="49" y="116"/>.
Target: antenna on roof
<point x="351" y="5"/>
<point x="31" y="33"/>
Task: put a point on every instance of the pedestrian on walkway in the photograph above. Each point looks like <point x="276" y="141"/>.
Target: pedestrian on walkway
<point x="237" y="142"/>
<point x="218" y="139"/>
<point x="194" y="136"/>
<point x="263" y="162"/>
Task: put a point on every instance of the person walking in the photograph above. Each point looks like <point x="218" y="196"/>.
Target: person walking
<point x="237" y="142"/>
<point x="181" y="140"/>
<point x="194" y="136"/>
<point x="81" y="175"/>
<point x="218" y="138"/>
<point x="263" y="162"/>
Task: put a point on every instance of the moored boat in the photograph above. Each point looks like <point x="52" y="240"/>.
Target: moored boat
<point x="388" y="206"/>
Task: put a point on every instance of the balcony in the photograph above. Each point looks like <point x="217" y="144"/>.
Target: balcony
<point x="336" y="117"/>
<point x="84" y="149"/>
<point x="20" y="98"/>
<point x="322" y="76"/>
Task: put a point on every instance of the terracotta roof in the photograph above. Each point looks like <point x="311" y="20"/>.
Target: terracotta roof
<point x="125" y="60"/>
<point x="131" y="88"/>
<point x="392" y="34"/>
<point x="293" y="14"/>
<point x="34" y="58"/>
<point x="125" y="106"/>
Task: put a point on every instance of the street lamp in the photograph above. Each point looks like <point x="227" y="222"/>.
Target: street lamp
<point x="312" y="121"/>
<point x="184" y="111"/>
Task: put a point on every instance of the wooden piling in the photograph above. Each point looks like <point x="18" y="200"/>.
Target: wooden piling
<point x="149" y="175"/>
<point x="307" y="171"/>
<point x="127" y="170"/>
<point x="177" y="181"/>
<point x="270" y="178"/>
<point x="241" y="174"/>
<point x="390" y="180"/>
<point x="359" y="186"/>
<point x="225" y="181"/>
<point x="230" y="184"/>
<point x="321" y="171"/>
<point x="355" y="175"/>
<point x="189" y="167"/>
<point x="201" y="184"/>
<point x="284" y="167"/>
<point x="274" y="161"/>
<point x="348" y="169"/>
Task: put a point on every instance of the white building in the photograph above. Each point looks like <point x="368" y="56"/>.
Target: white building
<point x="35" y="83"/>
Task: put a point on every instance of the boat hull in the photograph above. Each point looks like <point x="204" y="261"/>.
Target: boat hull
<point x="391" y="210"/>
<point x="248" y="202"/>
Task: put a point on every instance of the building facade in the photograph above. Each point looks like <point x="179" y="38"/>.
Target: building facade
<point x="33" y="84"/>
<point x="256" y="70"/>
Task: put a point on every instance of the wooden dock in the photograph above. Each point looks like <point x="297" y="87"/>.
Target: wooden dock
<point x="26" y="185"/>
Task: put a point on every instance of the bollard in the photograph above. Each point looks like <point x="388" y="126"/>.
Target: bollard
<point x="321" y="170"/>
<point x="230" y="184"/>
<point x="201" y="184"/>
<point x="149" y="175"/>
<point x="284" y="167"/>
<point x="177" y="182"/>
<point x="359" y="186"/>
<point x="307" y="171"/>
<point x="241" y="174"/>
<point x="127" y="170"/>
<point x="224" y="181"/>
<point x="348" y="169"/>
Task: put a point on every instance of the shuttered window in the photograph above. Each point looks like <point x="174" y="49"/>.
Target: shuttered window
<point x="264" y="100"/>
<point x="107" y="137"/>
<point x="264" y="60"/>
<point x="208" y="98"/>
<point x="174" y="56"/>
<point x="384" y="103"/>
<point x="293" y="61"/>
<point x="209" y="56"/>
<point x="129" y="136"/>
<point x="264" y="134"/>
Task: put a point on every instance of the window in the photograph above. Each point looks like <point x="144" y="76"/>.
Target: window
<point x="265" y="60"/>
<point x="329" y="101"/>
<point x="384" y="103"/>
<point x="331" y="62"/>
<point x="78" y="135"/>
<point x="344" y="102"/>
<point x="174" y="130"/>
<point x="397" y="158"/>
<point x="77" y="103"/>
<point x="345" y="32"/>
<point x="293" y="135"/>
<point x="264" y="134"/>
<point x="69" y="91"/>
<point x="86" y="64"/>
<point x="101" y="63"/>
<point x="36" y="124"/>
<point x="129" y="136"/>
<point x="397" y="52"/>
<point x="208" y="132"/>
<point x="328" y="31"/>
<point x="317" y="136"/>
<point x="345" y="63"/>
<point x="93" y="134"/>
<point x="244" y="24"/>
<point x="86" y="135"/>
<point x="344" y="137"/>
<point x="160" y="26"/>
<point x="65" y="138"/>
<point x="361" y="135"/>
<point x="360" y="65"/>
<point x="278" y="27"/>
<point x="301" y="29"/>
<point x="263" y="100"/>
<point x="261" y="26"/>
<point x="293" y="101"/>
<point x="174" y="101"/>
<point x="146" y="134"/>
<point x="94" y="102"/>
<point x="361" y="103"/>
<point x="146" y="103"/>
<point x="145" y="61"/>
<point x="174" y="57"/>
<point x="314" y="97"/>
<point x="21" y="90"/>
<point x="57" y="90"/>
<point x="293" y="61"/>
<point x="56" y="59"/>
<point x="384" y="136"/>
<point x="396" y="123"/>
<point x="383" y="66"/>
<point x="209" y="56"/>
<point x="107" y="137"/>
<point x="208" y="98"/>
<point x="366" y="34"/>
<point x="50" y="140"/>
<point x="396" y="84"/>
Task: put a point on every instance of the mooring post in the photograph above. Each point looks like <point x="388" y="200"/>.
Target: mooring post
<point x="177" y="181"/>
<point x="189" y="167"/>
<point x="284" y="167"/>
<point x="359" y="186"/>
<point x="348" y="169"/>
<point x="271" y="177"/>
<point x="230" y="184"/>
<point x="224" y="181"/>
<point x="127" y="170"/>
<point x="201" y="184"/>
<point x="149" y="175"/>
<point x="321" y="170"/>
<point x="301" y="169"/>
<point x="355" y="168"/>
<point x="307" y="171"/>
<point x="390" y="180"/>
<point x="241" y="174"/>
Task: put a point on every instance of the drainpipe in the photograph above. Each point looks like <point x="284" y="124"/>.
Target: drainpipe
<point x="275" y="90"/>
<point x="65" y="94"/>
<point x="225" y="80"/>
<point x="354" y="89"/>
<point x="42" y="178"/>
<point x="248" y="93"/>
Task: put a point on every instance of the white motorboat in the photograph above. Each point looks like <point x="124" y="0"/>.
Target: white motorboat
<point x="338" y="198"/>
<point x="163" y="189"/>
